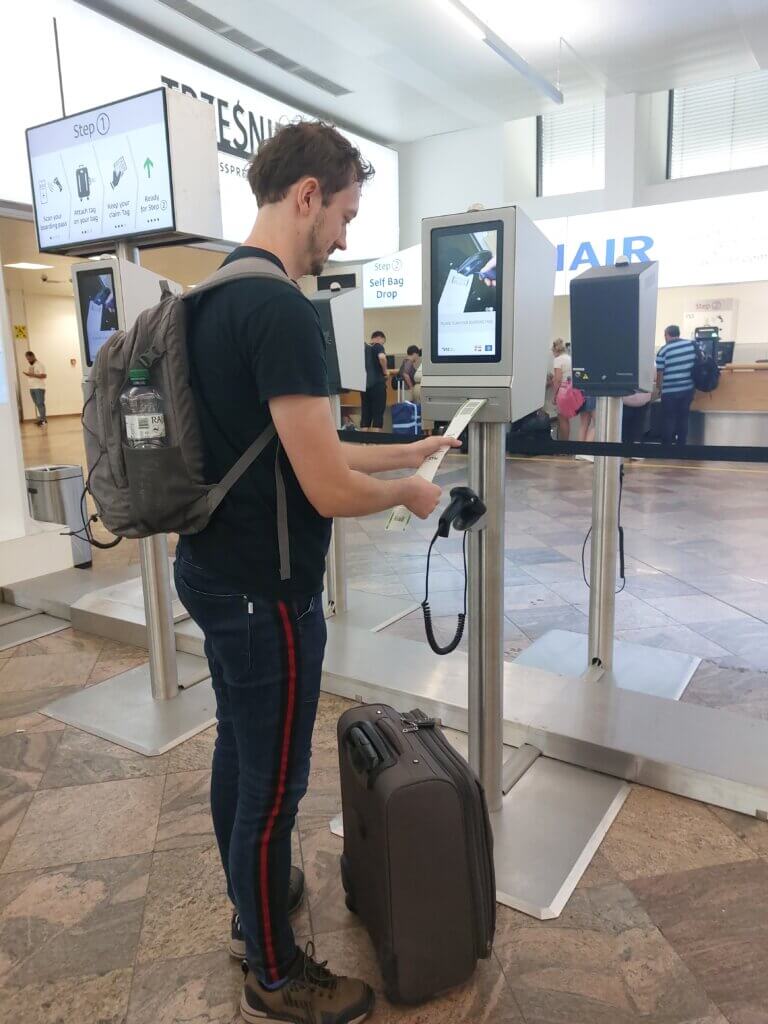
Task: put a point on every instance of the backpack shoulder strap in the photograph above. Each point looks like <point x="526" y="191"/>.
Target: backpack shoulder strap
<point x="249" y="266"/>
<point x="218" y="492"/>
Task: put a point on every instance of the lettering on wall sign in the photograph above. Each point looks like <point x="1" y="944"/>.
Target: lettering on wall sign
<point x="240" y="132"/>
<point x="634" y="247"/>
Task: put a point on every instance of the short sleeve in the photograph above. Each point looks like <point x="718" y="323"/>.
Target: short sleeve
<point x="288" y="349"/>
<point x="661" y="357"/>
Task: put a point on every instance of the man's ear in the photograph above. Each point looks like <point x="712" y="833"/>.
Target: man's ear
<point x="308" y="195"/>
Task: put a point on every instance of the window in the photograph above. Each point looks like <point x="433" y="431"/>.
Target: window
<point x="570" y="151"/>
<point x="718" y="126"/>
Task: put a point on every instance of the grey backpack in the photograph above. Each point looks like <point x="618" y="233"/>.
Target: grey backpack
<point x="143" y="491"/>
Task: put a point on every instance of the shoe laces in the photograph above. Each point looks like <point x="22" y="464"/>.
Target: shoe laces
<point x="315" y="972"/>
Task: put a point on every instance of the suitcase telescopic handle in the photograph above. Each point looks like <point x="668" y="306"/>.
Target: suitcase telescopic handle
<point x="368" y="752"/>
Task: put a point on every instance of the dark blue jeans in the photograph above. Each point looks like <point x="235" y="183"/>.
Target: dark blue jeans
<point x="266" y="660"/>
<point x="674" y="416"/>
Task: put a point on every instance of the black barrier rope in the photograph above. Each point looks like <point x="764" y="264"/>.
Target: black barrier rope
<point x="518" y="444"/>
<point x="364" y="437"/>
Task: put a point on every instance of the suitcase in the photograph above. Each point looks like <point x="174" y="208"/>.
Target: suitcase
<point x="417" y="865"/>
<point x="406" y="418"/>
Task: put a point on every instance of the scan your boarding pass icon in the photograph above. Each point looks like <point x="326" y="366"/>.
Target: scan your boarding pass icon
<point x="400" y="517"/>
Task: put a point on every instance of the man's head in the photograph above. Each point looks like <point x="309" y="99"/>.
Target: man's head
<point x="30" y="357"/>
<point x="308" y="176"/>
<point x="379" y="336"/>
<point x="414" y="354"/>
<point x="671" y="333"/>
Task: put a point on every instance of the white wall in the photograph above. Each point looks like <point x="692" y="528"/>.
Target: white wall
<point x="52" y="336"/>
<point x="496" y="165"/>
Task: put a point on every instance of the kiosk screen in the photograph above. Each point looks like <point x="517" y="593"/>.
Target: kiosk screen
<point x="466" y="287"/>
<point x="98" y="309"/>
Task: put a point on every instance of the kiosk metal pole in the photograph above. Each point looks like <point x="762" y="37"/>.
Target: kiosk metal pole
<point x="336" y="580"/>
<point x="605" y="536"/>
<point x="156" y="587"/>
<point x="486" y="610"/>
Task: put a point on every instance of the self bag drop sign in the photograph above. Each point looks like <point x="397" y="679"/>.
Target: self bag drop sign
<point x="698" y="242"/>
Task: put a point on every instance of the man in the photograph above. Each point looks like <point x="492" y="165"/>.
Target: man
<point x="374" y="398"/>
<point x="675" y="361"/>
<point x="35" y="375"/>
<point x="257" y="356"/>
<point x="409" y="366"/>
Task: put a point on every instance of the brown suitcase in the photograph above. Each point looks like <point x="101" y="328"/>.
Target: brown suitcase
<point x="418" y="850"/>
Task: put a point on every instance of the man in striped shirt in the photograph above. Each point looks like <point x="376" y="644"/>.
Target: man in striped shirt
<point x="674" y="364"/>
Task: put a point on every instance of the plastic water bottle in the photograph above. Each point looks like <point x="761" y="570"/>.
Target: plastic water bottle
<point x="143" y="411"/>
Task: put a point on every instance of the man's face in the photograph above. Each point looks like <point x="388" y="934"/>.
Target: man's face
<point x="30" y="359"/>
<point x="329" y="230"/>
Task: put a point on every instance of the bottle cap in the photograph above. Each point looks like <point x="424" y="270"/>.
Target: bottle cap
<point x="139" y="376"/>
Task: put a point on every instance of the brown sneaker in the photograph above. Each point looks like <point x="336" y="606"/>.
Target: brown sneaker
<point x="310" y="994"/>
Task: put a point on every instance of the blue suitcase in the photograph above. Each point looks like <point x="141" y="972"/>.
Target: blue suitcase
<point x="406" y="418"/>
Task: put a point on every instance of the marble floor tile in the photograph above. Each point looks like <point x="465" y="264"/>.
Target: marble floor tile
<point x="30" y="723"/>
<point x="673" y="637"/>
<point x="70" y="921"/>
<point x="203" y="989"/>
<point x="656" y="833"/>
<point x="747" y="639"/>
<point x="534" y="622"/>
<point x="750" y="830"/>
<point x="658" y="585"/>
<point x="12" y="812"/>
<point x="449" y="579"/>
<point x="196" y="753"/>
<point x="114" y="659"/>
<point x="35" y="672"/>
<point x="93" y="999"/>
<point x="323" y="797"/>
<point x="715" y="919"/>
<point x="697" y="608"/>
<point x="535" y="595"/>
<point x="549" y="571"/>
<point x="382" y="585"/>
<point x="602" y="962"/>
<point x="19" y="703"/>
<point x="81" y="759"/>
<point x="632" y="613"/>
<point x="24" y="757"/>
<point x="68" y="641"/>
<point x="740" y="691"/>
<point x="106" y="820"/>
<point x="187" y="910"/>
<point x="185" y="813"/>
<point x="533" y="556"/>
<point x="486" y="999"/>
<point x="321" y="852"/>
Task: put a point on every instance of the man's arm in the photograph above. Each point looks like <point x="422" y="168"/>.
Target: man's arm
<point x="377" y="458"/>
<point x="308" y="434"/>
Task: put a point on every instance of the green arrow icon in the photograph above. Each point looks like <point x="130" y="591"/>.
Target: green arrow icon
<point x="148" y="165"/>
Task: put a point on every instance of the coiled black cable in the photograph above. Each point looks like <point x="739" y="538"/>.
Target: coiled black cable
<point x="427" y="612"/>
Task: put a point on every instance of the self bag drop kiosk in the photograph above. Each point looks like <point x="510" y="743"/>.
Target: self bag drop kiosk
<point x="488" y="289"/>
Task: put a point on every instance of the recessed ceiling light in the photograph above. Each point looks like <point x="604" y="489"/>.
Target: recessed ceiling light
<point x="28" y="266"/>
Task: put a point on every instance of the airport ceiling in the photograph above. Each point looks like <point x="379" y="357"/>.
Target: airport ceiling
<point x="401" y="70"/>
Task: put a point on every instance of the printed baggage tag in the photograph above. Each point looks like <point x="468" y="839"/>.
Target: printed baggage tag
<point x="400" y="517"/>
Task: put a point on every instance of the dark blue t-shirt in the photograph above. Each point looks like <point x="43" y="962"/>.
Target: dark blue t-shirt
<point x="250" y="341"/>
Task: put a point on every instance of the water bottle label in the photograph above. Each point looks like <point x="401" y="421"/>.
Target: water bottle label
<point x="145" y="428"/>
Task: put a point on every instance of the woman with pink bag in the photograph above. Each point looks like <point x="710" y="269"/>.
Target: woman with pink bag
<point x="568" y="399"/>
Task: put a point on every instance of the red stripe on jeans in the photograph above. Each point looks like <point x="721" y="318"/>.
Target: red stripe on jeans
<point x="290" y="647"/>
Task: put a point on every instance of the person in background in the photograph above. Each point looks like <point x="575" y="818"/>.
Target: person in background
<point x="374" y="400"/>
<point x="634" y="421"/>
<point x="36" y="375"/>
<point x="561" y="375"/>
<point x="675" y="361"/>
<point x="587" y="424"/>
<point x="409" y="366"/>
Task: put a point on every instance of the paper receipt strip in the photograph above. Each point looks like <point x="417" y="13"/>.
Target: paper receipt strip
<point x="400" y="516"/>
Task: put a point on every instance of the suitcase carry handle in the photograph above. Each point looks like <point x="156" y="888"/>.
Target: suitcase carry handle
<point x="368" y="752"/>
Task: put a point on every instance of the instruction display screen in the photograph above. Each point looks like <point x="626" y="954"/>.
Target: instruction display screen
<point x="98" y="309"/>
<point x="466" y="285"/>
<point x="102" y="174"/>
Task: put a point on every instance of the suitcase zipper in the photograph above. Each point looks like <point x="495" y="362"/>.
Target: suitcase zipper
<point x="478" y="838"/>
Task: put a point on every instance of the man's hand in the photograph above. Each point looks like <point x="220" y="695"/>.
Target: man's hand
<point x="420" y="450"/>
<point x="422" y="497"/>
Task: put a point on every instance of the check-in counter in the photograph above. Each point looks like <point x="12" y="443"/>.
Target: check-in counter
<point x="736" y="412"/>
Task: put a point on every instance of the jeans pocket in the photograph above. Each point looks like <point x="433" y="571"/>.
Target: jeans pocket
<point x="225" y="619"/>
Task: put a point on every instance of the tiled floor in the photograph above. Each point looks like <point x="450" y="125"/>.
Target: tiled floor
<point x="112" y="903"/>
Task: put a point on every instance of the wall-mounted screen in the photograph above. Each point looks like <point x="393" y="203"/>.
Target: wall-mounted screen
<point x="466" y="286"/>
<point x="98" y="309"/>
<point x="101" y="174"/>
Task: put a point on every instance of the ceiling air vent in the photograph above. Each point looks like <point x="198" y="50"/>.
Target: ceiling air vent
<point x="254" y="47"/>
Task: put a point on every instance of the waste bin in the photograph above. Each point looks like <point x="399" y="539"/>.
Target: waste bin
<point x="55" y="494"/>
